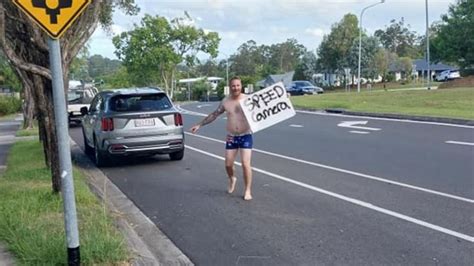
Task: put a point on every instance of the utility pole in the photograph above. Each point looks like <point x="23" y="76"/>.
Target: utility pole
<point x="428" y="45"/>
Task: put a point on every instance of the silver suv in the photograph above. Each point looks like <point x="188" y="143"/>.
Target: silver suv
<point x="138" y="121"/>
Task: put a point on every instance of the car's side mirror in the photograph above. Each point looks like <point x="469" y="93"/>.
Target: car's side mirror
<point x="84" y="110"/>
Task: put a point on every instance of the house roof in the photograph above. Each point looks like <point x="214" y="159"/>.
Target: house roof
<point x="286" y="78"/>
<point x="421" y="64"/>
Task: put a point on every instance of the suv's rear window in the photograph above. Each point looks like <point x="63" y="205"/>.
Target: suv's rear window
<point x="139" y="103"/>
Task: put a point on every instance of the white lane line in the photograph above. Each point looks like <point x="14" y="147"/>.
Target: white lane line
<point x="385" y="119"/>
<point x="351" y="172"/>
<point x="359" y="132"/>
<point x="366" y="117"/>
<point x="460" y="143"/>
<point x="297" y="126"/>
<point x="351" y="200"/>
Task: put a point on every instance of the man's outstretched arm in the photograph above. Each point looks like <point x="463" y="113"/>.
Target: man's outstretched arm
<point x="211" y="117"/>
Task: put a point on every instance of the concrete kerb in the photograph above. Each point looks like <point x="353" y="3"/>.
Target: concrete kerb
<point x="147" y="243"/>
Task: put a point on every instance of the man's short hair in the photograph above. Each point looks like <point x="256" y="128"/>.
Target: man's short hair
<point x="235" y="78"/>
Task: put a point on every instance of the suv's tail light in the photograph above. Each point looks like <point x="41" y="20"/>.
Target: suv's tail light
<point x="107" y="124"/>
<point x="178" y="119"/>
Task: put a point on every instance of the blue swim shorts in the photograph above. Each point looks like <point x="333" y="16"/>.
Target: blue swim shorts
<point x="239" y="142"/>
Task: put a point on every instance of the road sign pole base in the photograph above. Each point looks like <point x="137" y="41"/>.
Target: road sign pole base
<point x="73" y="257"/>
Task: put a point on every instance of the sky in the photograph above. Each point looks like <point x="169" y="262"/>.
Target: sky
<point x="272" y="21"/>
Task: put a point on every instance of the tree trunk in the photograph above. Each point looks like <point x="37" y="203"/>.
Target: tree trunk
<point x="44" y="96"/>
<point x="28" y="106"/>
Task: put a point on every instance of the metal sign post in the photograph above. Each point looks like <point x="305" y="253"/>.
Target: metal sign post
<point x="54" y="17"/>
<point x="67" y="181"/>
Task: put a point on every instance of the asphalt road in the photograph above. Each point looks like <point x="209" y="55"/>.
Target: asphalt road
<point x="402" y="194"/>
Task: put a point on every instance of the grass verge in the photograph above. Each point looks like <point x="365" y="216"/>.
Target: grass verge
<point x="7" y="117"/>
<point x="31" y="216"/>
<point x="27" y="132"/>
<point x="452" y="103"/>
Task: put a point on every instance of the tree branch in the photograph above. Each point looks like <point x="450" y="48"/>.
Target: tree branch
<point x="86" y="25"/>
<point x="10" y="53"/>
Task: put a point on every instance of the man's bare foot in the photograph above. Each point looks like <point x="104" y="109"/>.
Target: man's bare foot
<point x="247" y="196"/>
<point x="232" y="182"/>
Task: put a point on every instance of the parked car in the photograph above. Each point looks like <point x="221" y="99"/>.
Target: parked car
<point x="78" y="97"/>
<point x="448" y="75"/>
<point x="302" y="87"/>
<point x="125" y="122"/>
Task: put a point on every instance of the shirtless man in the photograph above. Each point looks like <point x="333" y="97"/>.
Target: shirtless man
<point x="238" y="136"/>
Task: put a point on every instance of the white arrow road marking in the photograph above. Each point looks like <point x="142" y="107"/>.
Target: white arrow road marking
<point x="359" y="132"/>
<point x="351" y="124"/>
<point x="296" y="126"/>
<point x="460" y="143"/>
<point x="203" y="105"/>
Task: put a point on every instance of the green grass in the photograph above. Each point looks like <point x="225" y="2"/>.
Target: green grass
<point x="451" y="103"/>
<point x="7" y="117"/>
<point x="27" y="132"/>
<point x="31" y="216"/>
<point x="388" y="86"/>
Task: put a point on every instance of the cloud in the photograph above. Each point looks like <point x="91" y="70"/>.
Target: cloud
<point x="273" y="21"/>
<point x="316" y="32"/>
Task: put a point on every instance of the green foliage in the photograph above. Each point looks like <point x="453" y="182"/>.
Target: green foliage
<point x="334" y="50"/>
<point x="200" y="90"/>
<point x="246" y="80"/>
<point x="153" y="49"/>
<point x="9" y="105"/>
<point x="369" y="49"/>
<point x="250" y="59"/>
<point x="257" y="62"/>
<point x="454" y="41"/>
<point x="307" y="67"/>
<point x="8" y="77"/>
<point x="99" y="66"/>
<point x="117" y="79"/>
<point x="286" y="56"/>
<point x="108" y="7"/>
<point x="398" y="38"/>
<point x="79" y="68"/>
<point x="405" y="65"/>
<point x="220" y="89"/>
<point x="382" y="61"/>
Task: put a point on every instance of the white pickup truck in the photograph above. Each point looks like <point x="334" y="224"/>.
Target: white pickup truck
<point x="78" y="97"/>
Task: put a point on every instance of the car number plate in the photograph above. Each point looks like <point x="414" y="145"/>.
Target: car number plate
<point x="144" y="122"/>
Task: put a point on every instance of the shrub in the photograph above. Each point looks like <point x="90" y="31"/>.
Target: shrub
<point x="9" y="105"/>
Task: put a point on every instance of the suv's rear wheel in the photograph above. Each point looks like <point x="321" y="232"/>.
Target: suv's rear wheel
<point x="100" y="158"/>
<point x="177" y="156"/>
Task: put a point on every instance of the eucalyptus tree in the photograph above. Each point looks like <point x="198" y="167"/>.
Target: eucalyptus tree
<point x="399" y="38"/>
<point x="454" y="41"/>
<point x="334" y="50"/>
<point x="152" y="51"/>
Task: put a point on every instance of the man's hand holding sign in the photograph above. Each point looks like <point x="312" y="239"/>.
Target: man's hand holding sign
<point x="247" y="114"/>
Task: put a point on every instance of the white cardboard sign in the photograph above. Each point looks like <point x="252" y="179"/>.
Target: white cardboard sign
<point x="267" y="107"/>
